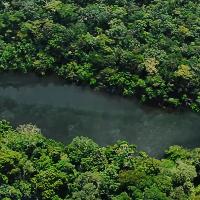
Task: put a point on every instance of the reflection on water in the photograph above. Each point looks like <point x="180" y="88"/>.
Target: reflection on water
<point x="64" y="111"/>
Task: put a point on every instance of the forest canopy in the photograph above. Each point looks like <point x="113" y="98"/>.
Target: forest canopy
<point x="33" y="167"/>
<point x="149" y="49"/>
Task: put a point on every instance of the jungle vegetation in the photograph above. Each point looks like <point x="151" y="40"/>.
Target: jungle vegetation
<point x="33" y="167"/>
<point x="144" y="48"/>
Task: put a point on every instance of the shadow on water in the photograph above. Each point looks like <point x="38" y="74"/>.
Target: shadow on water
<point x="65" y="111"/>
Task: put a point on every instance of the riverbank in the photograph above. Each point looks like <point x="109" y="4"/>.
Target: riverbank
<point x="120" y="47"/>
<point x="34" y="167"/>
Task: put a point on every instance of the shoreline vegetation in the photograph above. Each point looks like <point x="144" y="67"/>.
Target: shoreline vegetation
<point x="33" y="167"/>
<point x="147" y="49"/>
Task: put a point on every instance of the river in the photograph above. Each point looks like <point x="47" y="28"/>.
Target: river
<point x="64" y="111"/>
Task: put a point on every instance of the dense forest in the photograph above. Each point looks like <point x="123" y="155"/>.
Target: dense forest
<point x="149" y="49"/>
<point x="33" y="168"/>
<point x="144" y="48"/>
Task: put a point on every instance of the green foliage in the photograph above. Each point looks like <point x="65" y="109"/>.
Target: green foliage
<point x="33" y="167"/>
<point x="122" y="196"/>
<point x="47" y="184"/>
<point x="148" y="49"/>
<point x="74" y="72"/>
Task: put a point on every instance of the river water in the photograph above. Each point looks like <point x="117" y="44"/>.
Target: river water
<point x="65" y="111"/>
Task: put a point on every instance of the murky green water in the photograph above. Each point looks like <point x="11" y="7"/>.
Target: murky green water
<point x="64" y="111"/>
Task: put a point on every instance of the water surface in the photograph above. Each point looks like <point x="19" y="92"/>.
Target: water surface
<point x="65" y="111"/>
